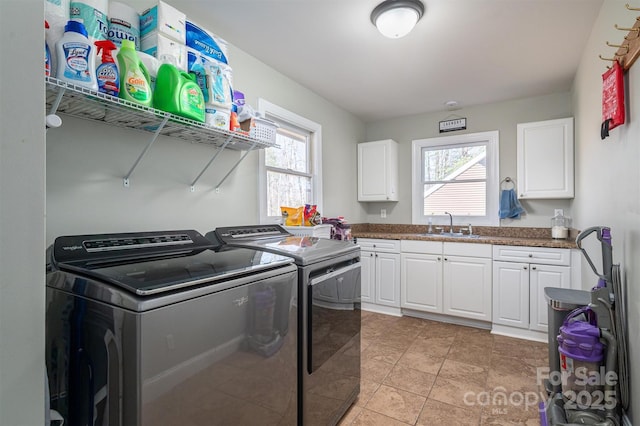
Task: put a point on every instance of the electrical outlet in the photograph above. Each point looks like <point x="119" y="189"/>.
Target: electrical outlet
<point x="383" y="213"/>
<point x="558" y="212"/>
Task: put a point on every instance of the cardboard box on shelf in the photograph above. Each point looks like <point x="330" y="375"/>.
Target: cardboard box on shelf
<point x="165" y="19"/>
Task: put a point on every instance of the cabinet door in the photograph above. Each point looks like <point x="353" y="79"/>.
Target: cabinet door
<point x="542" y="276"/>
<point x="511" y="294"/>
<point x="367" y="265"/>
<point x="545" y="159"/>
<point x="378" y="171"/>
<point x="387" y="279"/>
<point x="467" y="287"/>
<point x="421" y="282"/>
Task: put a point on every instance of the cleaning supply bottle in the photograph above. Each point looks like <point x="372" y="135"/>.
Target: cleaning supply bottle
<point x="107" y="71"/>
<point x="47" y="54"/>
<point x="76" y="60"/>
<point x="178" y="93"/>
<point x="134" y="78"/>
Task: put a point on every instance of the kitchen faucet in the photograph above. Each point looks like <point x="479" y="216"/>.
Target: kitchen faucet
<point x="450" y="222"/>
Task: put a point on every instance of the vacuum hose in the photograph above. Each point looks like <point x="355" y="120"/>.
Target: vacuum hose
<point x="621" y="336"/>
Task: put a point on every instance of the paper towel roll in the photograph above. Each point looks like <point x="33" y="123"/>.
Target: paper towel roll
<point x="93" y="14"/>
<point x="124" y="24"/>
<point x="57" y="8"/>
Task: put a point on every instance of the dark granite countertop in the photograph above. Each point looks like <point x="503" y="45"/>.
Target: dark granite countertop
<point x="510" y="236"/>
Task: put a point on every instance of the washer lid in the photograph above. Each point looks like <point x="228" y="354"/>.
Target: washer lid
<point x="161" y="267"/>
<point x="305" y="250"/>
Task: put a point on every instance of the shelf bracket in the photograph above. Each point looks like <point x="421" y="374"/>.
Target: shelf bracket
<point x="146" y="148"/>
<point x="220" y="149"/>
<point x="56" y="103"/>
<point x="235" y="165"/>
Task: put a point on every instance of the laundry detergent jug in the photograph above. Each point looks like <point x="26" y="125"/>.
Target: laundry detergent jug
<point x="178" y="93"/>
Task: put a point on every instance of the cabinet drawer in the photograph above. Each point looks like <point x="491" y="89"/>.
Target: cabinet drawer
<point x="427" y="247"/>
<point x="392" y="246"/>
<point x="468" y="249"/>
<point x="542" y="255"/>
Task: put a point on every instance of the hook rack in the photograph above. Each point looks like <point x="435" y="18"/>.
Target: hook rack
<point x="629" y="50"/>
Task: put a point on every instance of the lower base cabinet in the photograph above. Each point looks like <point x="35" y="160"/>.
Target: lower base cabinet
<point x="467" y="289"/>
<point x="380" y="279"/>
<point x="421" y="281"/>
<point x="447" y="278"/>
<point x="518" y="287"/>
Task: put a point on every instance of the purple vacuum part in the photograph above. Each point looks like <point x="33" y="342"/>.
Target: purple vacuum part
<point x="542" y="408"/>
<point x="581" y="341"/>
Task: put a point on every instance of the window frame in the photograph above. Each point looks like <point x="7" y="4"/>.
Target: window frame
<point x="273" y="111"/>
<point x="492" y="140"/>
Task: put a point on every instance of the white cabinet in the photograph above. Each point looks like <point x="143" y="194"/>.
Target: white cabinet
<point x="540" y="277"/>
<point x="520" y="275"/>
<point x="545" y="159"/>
<point x="449" y="278"/>
<point x="378" y="171"/>
<point x="467" y="280"/>
<point x="380" y="278"/>
<point x="511" y="294"/>
<point x="421" y="275"/>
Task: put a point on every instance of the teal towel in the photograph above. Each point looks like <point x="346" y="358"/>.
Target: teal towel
<point x="509" y="205"/>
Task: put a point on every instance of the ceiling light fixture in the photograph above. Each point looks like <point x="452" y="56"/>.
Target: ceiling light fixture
<point x="396" y="18"/>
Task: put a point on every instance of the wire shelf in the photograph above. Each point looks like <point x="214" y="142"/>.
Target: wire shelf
<point x="84" y="103"/>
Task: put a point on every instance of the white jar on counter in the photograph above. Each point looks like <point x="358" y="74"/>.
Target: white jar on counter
<point x="559" y="229"/>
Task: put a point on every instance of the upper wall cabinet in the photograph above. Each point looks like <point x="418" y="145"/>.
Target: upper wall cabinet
<point x="378" y="171"/>
<point x="545" y="159"/>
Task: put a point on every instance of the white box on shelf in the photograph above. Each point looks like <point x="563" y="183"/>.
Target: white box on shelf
<point x="158" y="45"/>
<point x="320" y="231"/>
<point x="165" y="19"/>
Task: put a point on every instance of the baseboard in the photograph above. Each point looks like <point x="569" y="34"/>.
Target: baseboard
<point x="520" y="333"/>
<point x="448" y="319"/>
<point x="381" y="309"/>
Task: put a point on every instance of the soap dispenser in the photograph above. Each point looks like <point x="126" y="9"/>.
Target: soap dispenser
<point x="559" y="229"/>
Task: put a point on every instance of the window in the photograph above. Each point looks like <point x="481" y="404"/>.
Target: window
<point x="456" y="174"/>
<point x="290" y="174"/>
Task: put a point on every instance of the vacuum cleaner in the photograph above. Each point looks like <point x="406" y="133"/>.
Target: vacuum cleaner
<point x="588" y="381"/>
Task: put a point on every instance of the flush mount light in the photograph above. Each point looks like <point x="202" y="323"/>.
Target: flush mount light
<point x="396" y="18"/>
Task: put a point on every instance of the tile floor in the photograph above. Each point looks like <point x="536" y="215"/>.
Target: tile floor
<point x="421" y="372"/>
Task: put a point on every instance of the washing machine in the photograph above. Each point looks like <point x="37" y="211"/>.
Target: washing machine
<point x="329" y="316"/>
<point x="166" y="328"/>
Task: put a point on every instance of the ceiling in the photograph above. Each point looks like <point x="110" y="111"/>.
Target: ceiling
<point x="469" y="51"/>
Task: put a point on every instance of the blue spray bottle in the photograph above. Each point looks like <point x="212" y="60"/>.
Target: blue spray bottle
<point x="107" y="72"/>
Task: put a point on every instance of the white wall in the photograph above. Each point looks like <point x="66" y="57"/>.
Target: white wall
<point x="21" y="213"/>
<point x="501" y="116"/>
<point x="607" y="172"/>
<point x="86" y="162"/>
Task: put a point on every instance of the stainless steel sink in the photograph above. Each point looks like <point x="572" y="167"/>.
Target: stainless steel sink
<point x="454" y="235"/>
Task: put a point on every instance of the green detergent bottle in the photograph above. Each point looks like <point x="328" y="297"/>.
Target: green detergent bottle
<point x="135" y="84"/>
<point x="178" y="93"/>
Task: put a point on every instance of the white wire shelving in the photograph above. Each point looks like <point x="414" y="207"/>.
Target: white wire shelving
<point x="80" y="102"/>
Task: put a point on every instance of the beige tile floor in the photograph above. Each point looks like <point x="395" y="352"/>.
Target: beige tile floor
<point x="420" y="372"/>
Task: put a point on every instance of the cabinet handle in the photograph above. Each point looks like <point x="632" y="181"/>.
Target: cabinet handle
<point x="530" y="255"/>
<point x="524" y="267"/>
<point x="533" y="267"/>
<point x="445" y="259"/>
<point x="438" y="259"/>
<point x="374" y="246"/>
<point x="376" y="254"/>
